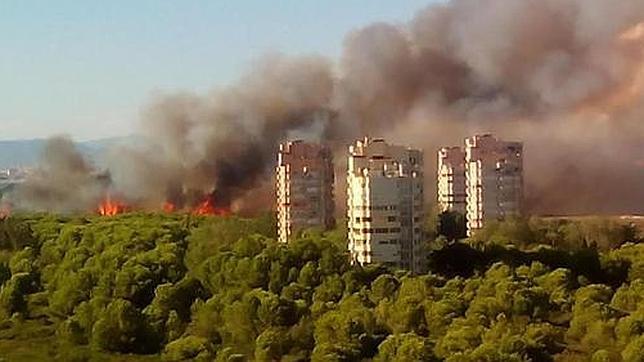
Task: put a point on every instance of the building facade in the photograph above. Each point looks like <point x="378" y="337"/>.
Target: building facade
<point x="304" y="187"/>
<point x="494" y="179"/>
<point x="451" y="179"/>
<point x="385" y="205"/>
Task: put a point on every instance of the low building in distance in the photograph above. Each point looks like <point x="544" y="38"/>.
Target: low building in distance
<point x="304" y="187"/>
<point x="451" y="179"/>
<point x="494" y="179"/>
<point x="385" y="204"/>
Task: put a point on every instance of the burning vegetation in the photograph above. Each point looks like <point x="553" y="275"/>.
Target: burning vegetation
<point x="209" y="207"/>
<point x="111" y="206"/>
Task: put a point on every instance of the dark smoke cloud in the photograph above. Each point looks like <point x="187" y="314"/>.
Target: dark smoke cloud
<point x="224" y="142"/>
<point x="564" y="76"/>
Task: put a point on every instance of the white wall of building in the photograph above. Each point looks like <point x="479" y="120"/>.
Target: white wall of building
<point x="385" y="204"/>
<point x="451" y="192"/>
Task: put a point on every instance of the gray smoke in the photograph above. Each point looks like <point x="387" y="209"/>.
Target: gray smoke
<point x="64" y="182"/>
<point x="564" y="76"/>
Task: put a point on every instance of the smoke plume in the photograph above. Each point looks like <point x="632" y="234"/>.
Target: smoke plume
<point x="65" y="181"/>
<point x="222" y="144"/>
<point x="564" y="76"/>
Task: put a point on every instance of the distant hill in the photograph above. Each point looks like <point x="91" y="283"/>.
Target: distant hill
<point x="17" y="153"/>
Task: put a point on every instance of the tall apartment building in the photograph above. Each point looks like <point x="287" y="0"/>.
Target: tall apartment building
<point x="494" y="179"/>
<point x="385" y="204"/>
<point x="451" y="179"/>
<point x="304" y="183"/>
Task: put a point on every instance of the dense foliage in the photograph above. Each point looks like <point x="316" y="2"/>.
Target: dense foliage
<point x="180" y="288"/>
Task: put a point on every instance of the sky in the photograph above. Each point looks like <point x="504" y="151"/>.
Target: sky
<point x="87" y="68"/>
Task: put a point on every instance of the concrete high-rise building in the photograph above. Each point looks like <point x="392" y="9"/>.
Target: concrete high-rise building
<point x="304" y="183"/>
<point x="385" y="205"/>
<point x="451" y="179"/>
<point x="494" y="179"/>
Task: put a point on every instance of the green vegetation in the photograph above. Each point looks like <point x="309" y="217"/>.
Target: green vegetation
<point x="142" y="287"/>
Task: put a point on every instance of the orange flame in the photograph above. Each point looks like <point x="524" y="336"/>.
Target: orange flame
<point x="109" y="207"/>
<point x="169" y="207"/>
<point x="208" y="207"/>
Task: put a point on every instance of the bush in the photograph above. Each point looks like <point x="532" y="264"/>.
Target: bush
<point x="188" y="348"/>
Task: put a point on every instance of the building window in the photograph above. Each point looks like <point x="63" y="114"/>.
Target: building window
<point x="391" y="218"/>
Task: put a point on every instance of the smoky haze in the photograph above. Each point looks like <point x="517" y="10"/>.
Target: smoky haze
<point x="564" y="76"/>
<point x="65" y="181"/>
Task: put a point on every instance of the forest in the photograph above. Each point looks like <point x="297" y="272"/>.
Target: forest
<point x="155" y="287"/>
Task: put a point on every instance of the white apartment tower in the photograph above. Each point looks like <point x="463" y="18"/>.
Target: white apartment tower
<point x="304" y="185"/>
<point x="494" y="179"/>
<point x="385" y="204"/>
<point x="451" y="179"/>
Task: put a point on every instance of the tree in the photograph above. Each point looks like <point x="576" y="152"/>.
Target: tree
<point x="122" y="328"/>
<point x="272" y="344"/>
<point x="136" y="283"/>
<point x="405" y="347"/>
<point x="330" y="290"/>
<point x="309" y="275"/>
<point x="384" y="287"/>
<point x="274" y="311"/>
<point x="13" y="294"/>
<point x="75" y="288"/>
<point x="452" y="225"/>
<point x="133" y="284"/>
<point x="593" y="319"/>
<point x="634" y="351"/>
<point x="189" y="348"/>
<point x="23" y="261"/>
<point x="345" y="332"/>
<point x="462" y="336"/>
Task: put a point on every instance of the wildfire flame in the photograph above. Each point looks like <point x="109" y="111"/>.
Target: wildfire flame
<point x="109" y="207"/>
<point x="208" y="207"/>
<point x="169" y="207"/>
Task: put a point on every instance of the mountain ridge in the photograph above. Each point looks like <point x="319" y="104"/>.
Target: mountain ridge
<point x="26" y="152"/>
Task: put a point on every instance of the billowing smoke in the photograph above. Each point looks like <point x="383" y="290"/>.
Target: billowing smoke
<point x="223" y="143"/>
<point x="564" y="76"/>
